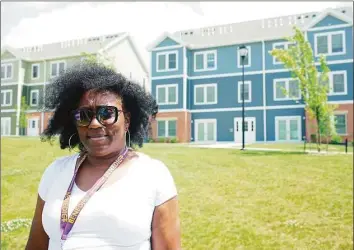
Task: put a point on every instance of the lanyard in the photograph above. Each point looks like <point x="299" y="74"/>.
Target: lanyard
<point x="66" y="222"/>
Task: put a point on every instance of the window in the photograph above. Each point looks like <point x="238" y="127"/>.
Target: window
<point x="166" y="61"/>
<point x="6" y="71"/>
<point x="283" y="46"/>
<point x="166" y="128"/>
<point x="286" y="89"/>
<point x="57" y="68"/>
<point x="205" y="60"/>
<point x="247" y="60"/>
<point x="331" y="43"/>
<point x="337" y="83"/>
<point x="35" y="71"/>
<point x="205" y="94"/>
<point x="247" y="91"/>
<point x="6" y="98"/>
<point x="340" y="123"/>
<point x="34" y="97"/>
<point x="167" y="94"/>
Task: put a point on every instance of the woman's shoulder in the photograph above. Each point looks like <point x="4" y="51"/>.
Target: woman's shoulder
<point x="61" y="163"/>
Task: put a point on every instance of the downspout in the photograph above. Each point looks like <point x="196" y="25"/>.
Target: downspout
<point x="185" y="108"/>
<point x="264" y="94"/>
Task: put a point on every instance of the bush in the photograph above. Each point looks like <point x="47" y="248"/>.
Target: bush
<point x="173" y="140"/>
<point x="336" y="139"/>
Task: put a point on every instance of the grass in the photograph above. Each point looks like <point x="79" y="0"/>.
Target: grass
<point x="300" y="147"/>
<point x="228" y="199"/>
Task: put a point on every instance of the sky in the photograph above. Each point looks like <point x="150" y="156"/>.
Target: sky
<point x="32" y="23"/>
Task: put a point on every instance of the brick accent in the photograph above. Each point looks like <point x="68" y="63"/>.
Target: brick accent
<point x="311" y="124"/>
<point x="183" y="124"/>
<point x="38" y="115"/>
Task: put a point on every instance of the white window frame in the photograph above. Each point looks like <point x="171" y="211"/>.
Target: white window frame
<point x="205" y="60"/>
<point x="288" y="118"/>
<point x="286" y="47"/>
<point x="4" y="100"/>
<point x="38" y="72"/>
<point x="203" y="121"/>
<point x="166" y="53"/>
<point x="239" y="90"/>
<point x="166" y="87"/>
<point x="329" y="43"/>
<point x="56" y="63"/>
<point x="6" y="119"/>
<point x="204" y="86"/>
<point x="31" y="95"/>
<point x="287" y="98"/>
<point x="12" y="70"/>
<point x="167" y="121"/>
<point x="345" y="113"/>
<point x="249" y="55"/>
<point x="331" y="82"/>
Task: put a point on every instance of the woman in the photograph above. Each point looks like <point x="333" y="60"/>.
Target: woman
<point x="108" y="196"/>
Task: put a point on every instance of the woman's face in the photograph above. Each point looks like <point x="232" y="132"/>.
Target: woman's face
<point x="102" y="136"/>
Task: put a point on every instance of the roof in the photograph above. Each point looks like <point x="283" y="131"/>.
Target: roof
<point x="253" y="31"/>
<point x="64" y="49"/>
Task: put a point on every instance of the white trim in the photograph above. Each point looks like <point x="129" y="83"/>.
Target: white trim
<point x="324" y="14"/>
<point x="339" y="26"/>
<point x="166" y="77"/>
<point x="6" y="65"/>
<point x="9" y="60"/>
<point x="331" y="82"/>
<point x="5" y="91"/>
<point x="166" y="54"/>
<point x="8" y="110"/>
<point x="167" y="47"/>
<point x="172" y="110"/>
<point x="239" y="87"/>
<point x="345" y="113"/>
<point x="342" y="102"/>
<point x="287" y="87"/>
<point x="286" y="47"/>
<point x="167" y="123"/>
<point x="8" y="84"/>
<point x="204" y="86"/>
<point x="57" y="63"/>
<point x="36" y="84"/>
<point x="259" y="108"/>
<point x="287" y="119"/>
<point x="329" y="43"/>
<point x="205" y="60"/>
<point x="249" y="56"/>
<point x="6" y="119"/>
<point x="31" y="97"/>
<point x="204" y="121"/>
<point x="166" y="87"/>
<point x="20" y="77"/>
<point x="38" y="72"/>
<point x="185" y="70"/>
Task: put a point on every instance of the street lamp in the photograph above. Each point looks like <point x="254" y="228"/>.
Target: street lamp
<point x="243" y="51"/>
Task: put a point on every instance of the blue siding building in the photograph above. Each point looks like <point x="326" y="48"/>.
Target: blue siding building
<point x="196" y="77"/>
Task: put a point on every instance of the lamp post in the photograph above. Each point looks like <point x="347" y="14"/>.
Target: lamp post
<point x="243" y="54"/>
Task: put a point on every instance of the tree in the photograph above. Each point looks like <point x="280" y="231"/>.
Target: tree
<point x="313" y="83"/>
<point x="100" y="58"/>
<point x="23" y="117"/>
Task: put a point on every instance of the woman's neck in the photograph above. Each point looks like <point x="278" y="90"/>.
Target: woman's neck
<point x="103" y="161"/>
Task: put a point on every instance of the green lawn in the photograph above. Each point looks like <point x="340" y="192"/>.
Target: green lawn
<point x="300" y="147"/>
<point x="228" y="199"/>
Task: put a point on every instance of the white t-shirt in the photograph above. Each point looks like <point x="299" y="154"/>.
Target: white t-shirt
<point x="117" y="216"/>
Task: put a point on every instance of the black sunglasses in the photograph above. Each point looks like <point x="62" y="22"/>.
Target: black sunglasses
<point x="105" y="115"/>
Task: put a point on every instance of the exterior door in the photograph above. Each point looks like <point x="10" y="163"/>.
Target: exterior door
<point x="6" y="126"/>
<point x="205" y="130"/>
<point x="33" y="127"/>
<point x="250" y="129"/>
<point x="288" y="128"/>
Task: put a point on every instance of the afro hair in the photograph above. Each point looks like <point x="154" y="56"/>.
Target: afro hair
<point x="63" y="95"/>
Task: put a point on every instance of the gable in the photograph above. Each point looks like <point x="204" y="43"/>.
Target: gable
<point x="329" y="21"/>
<point x="167" y="42"/>
<point x="7" y="55"/>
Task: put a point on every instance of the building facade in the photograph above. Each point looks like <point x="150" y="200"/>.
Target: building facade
<point x="27" y="72"/>
<point x="196" y="77"/>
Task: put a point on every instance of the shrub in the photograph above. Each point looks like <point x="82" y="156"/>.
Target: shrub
<point x="336" y="139"/>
